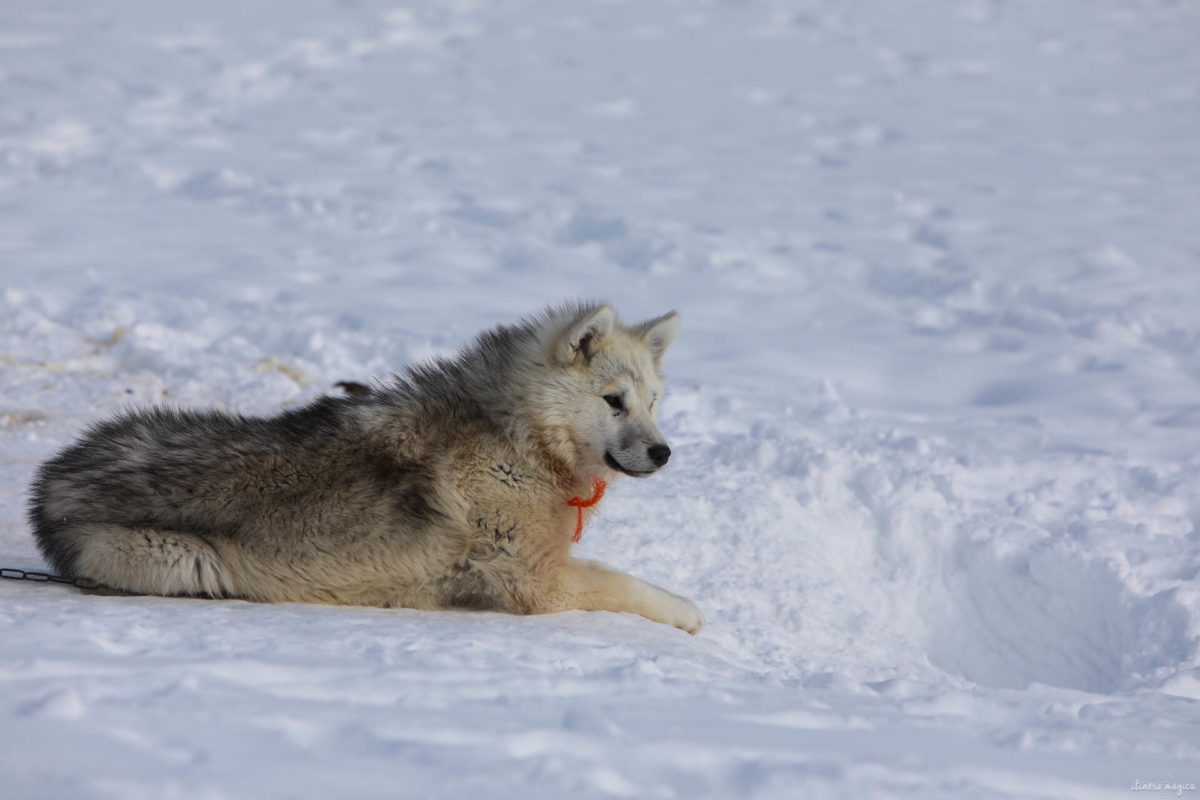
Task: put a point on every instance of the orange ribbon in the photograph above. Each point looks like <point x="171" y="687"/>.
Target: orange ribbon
<point x="598" y="487"/>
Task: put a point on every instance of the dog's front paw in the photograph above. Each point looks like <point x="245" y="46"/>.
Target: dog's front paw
<point x="684" y="615"/>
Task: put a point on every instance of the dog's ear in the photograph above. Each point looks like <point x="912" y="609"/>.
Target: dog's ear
<point x="658" y="333"/>
<point x="583" y="337"/>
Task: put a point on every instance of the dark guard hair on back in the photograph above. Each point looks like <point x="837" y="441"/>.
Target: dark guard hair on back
<point x="139" y="469"/>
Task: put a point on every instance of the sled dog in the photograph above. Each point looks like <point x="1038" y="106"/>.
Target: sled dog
<point x="460" y="484"/>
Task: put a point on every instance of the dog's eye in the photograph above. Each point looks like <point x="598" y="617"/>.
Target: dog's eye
<point x="614" y="402"/>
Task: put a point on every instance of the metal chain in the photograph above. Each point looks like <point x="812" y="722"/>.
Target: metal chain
<point x="14" y="574"/>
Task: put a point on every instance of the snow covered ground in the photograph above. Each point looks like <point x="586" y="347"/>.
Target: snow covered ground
<point x="935" y="404"/>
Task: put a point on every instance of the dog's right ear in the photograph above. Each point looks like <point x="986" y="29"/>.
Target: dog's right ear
<point x="584" y="337"/>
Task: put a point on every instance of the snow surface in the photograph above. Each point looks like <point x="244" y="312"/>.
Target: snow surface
<point x="934" y="405"/>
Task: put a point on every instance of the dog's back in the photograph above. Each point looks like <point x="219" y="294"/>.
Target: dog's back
<point x="185" y="502"/>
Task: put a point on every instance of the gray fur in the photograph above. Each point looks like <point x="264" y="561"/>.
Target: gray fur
<point x="446" y="488"/>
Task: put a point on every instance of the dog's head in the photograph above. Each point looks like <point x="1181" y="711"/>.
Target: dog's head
<point x="612" y="388"/>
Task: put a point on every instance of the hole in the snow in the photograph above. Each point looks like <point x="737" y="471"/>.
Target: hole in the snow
<point x="1049" y="617"/>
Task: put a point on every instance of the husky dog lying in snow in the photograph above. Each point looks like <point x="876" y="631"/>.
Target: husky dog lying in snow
<point x="460" y="485"/>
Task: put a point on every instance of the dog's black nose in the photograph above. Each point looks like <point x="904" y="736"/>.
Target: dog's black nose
<point x="659" y="453"/>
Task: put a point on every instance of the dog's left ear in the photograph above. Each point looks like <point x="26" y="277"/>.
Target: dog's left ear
<point x="658" y="334"/>
<point x="586" y="334"/>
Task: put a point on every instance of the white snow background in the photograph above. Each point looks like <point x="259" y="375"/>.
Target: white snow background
<point x="935" y="404"/>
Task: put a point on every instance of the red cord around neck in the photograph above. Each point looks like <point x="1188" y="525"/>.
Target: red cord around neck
<point x="598" y="487"/>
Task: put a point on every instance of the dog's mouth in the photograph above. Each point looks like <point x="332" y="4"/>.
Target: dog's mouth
<point x="614" y="464"/>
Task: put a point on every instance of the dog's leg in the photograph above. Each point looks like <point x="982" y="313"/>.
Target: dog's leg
<point x="592" y="586"/>
<point x="149" y="561"/>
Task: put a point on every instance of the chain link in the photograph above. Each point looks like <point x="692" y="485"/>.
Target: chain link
<point x="14" y="574"/>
